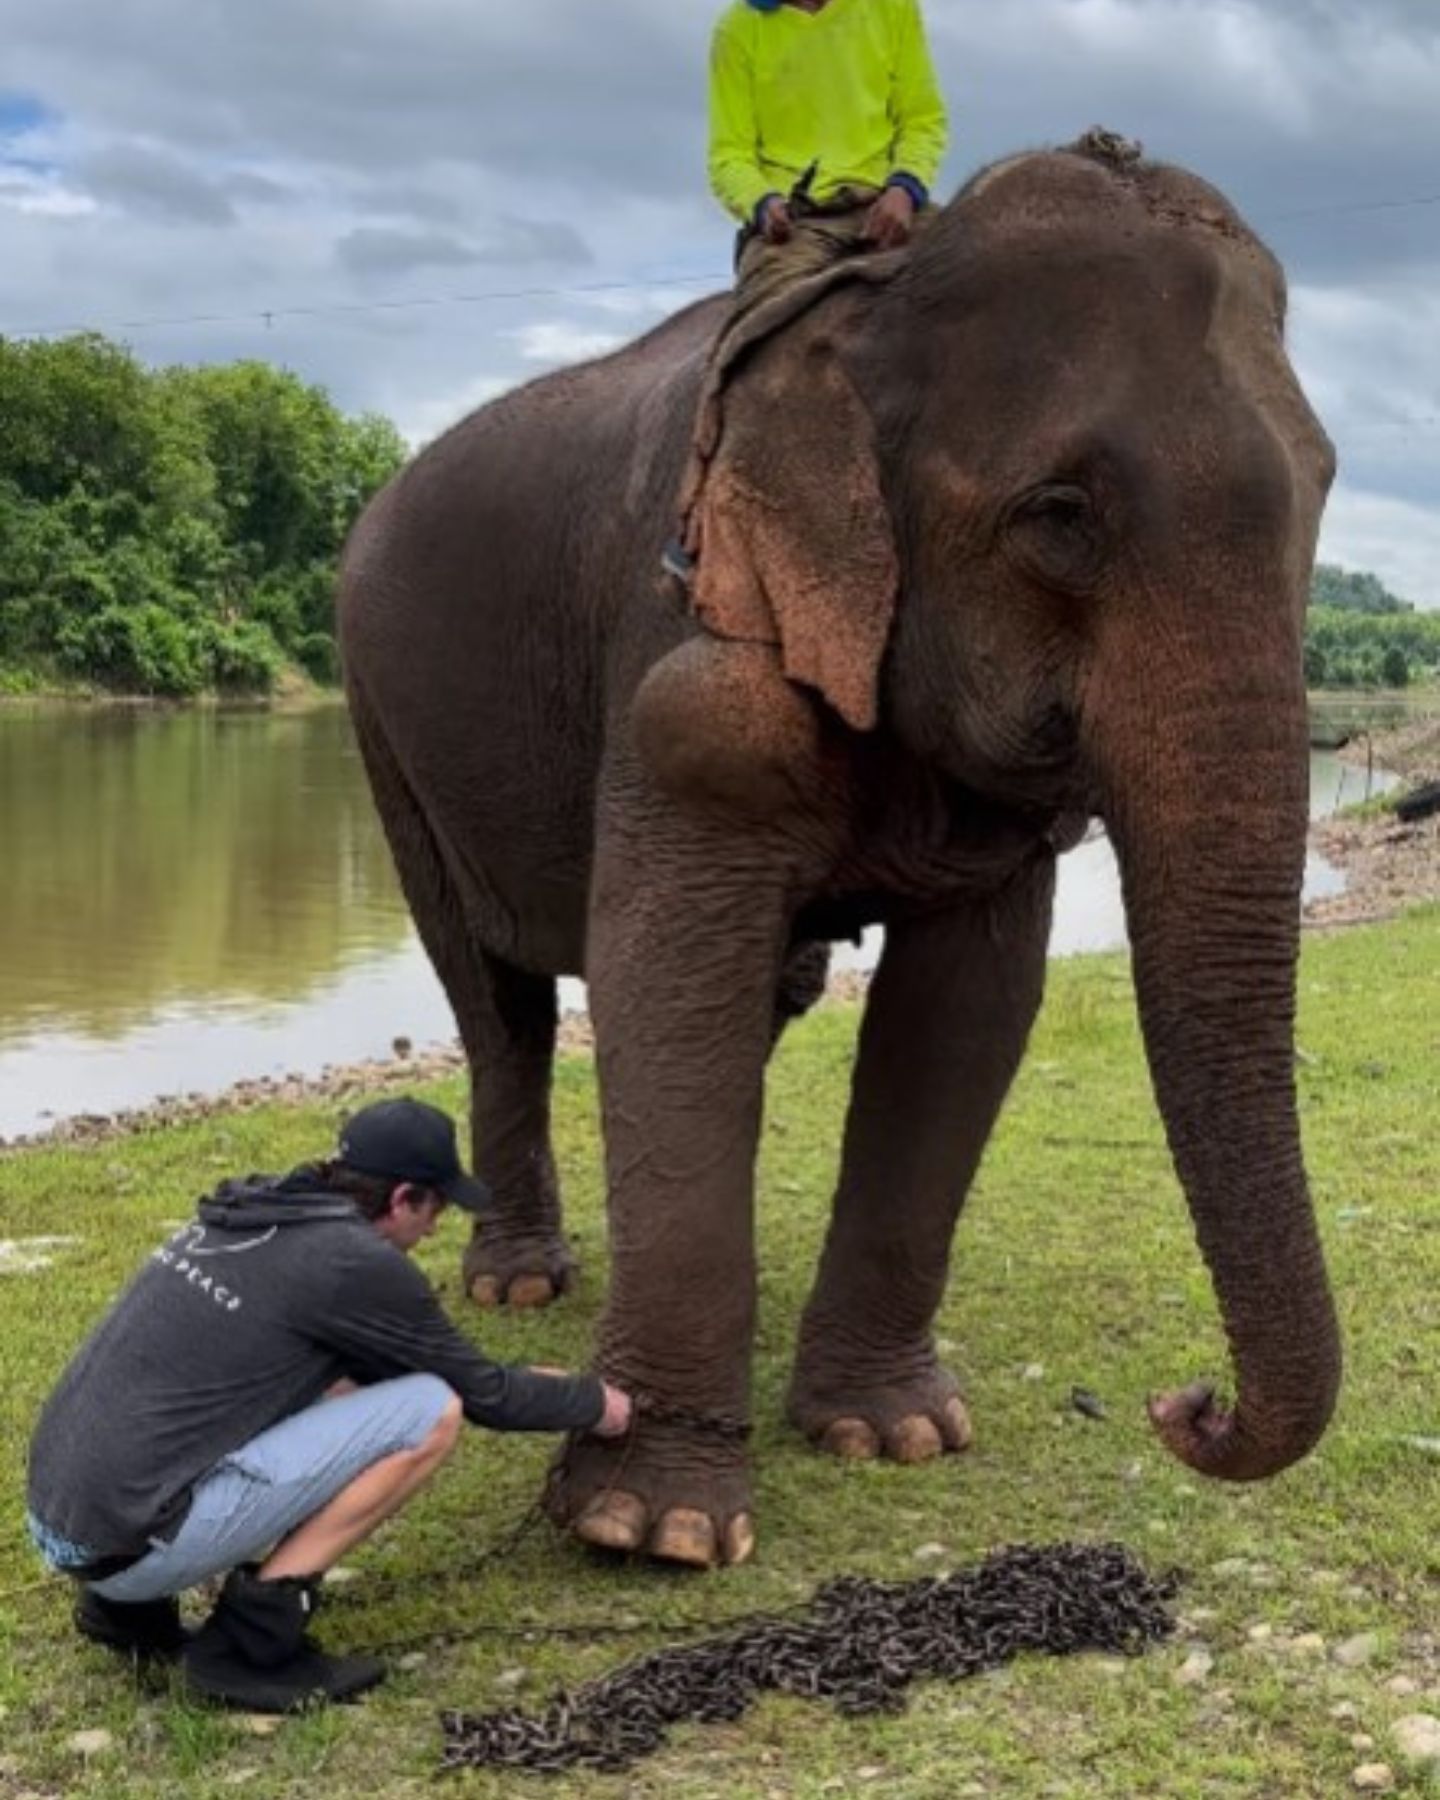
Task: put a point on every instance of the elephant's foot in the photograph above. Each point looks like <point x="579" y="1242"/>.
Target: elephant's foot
<point x="852" y="1413"/>
<point x="671" y="1491"/>
<point x="519" y="1269"/>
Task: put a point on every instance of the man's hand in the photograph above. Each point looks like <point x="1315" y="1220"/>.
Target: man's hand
<point x="776" y="225"/>
<point x="887" y="224"/>
<point x="615" y="1420"/>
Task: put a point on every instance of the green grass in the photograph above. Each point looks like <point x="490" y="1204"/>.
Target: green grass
<point x="1075" y="1256"/>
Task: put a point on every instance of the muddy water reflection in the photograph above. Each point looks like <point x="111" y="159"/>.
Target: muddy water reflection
<point x="187" y="898"/>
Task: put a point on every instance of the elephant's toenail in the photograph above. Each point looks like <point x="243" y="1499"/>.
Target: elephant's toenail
<point x="614" y="1522"/>
<point x="851" y="1438"/>
<point x="960" y="1431"/>
<point x="740" y="1539"/>
<point x="915" y="1440"/>
<point x="485" y="1291"/>
<point x="527" y="1291"/>
<point x="685" y="1536"/>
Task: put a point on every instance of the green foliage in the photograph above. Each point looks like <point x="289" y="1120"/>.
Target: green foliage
<point x="317" y="656"/>
<point x="173" y="532"/>
<point x="1351" y="590"/>
<point x="1394" y="667"/>
<point x="141" y="649"/>
<point x="1351" y="648"/>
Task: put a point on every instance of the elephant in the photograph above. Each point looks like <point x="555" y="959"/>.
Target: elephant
<point x="997" y="534"/>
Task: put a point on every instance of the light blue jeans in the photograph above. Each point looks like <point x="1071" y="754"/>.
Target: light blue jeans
<point x="261" y="1492"/>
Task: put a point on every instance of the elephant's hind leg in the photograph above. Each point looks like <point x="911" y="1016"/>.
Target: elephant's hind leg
<point x="945" y="1025"/>
<point x="506" y="1020"/>
<point x="517" y="1253"/>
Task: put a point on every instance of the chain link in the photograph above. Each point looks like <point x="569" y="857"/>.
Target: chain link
<point x="708" y="1424"/>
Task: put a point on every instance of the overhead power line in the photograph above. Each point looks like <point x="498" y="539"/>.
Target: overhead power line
<point x="1349" y="206"/>
<point x="267" y="315"/>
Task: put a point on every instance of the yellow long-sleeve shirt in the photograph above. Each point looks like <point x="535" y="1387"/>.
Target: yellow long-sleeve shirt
<point x="851" y="87"/>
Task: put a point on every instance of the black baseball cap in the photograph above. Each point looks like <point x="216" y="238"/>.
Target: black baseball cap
<point x="410" y="1141"/>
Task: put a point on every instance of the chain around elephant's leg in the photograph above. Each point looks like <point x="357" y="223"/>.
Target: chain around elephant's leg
<point x="946" y="1021"/>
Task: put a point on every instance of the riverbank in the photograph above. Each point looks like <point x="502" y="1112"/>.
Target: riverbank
<point x="1337" y="716"/>
<point x="293" y="689"/>
<point x="1388" y="866"/>
<point x="1307" y="1646"/>
<point x="1342" y="717"/>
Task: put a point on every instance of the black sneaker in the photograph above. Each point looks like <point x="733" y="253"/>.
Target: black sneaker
<point x="145" y="1630"/>
<point x="254" y="1651"/>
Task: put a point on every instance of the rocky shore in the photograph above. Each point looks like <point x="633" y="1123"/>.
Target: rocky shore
<point x="1388" y="867"/>
<point x="339" y="1082"/>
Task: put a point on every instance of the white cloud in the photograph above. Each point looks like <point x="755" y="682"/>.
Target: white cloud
<point x="1368" y="358"/>
<point x="379" y="250"/>
<point x="1397" y="540"/>
<point x="144" y="179"/>
<point x="429" y="418"/>
<point x="41" y="196"/>
<point x="555" y="342"/>
<point x="644" y="305"/>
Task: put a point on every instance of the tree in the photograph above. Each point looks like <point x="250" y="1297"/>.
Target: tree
<point x="175" y="530"/>
<point x="1394" y="667"/>
<point x="1350" y="590"/>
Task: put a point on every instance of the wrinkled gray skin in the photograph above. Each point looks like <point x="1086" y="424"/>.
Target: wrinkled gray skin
<point x="1009" y="530"/>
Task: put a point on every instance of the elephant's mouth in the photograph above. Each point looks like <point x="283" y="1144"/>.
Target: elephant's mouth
<point x="1046" y="776"/>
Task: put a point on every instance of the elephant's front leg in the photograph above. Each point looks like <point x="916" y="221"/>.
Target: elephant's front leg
<point x="687" y="938"/>
<point x="945" y="1024"/>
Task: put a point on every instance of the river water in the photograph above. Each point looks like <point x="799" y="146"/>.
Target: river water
<point x="192" y="898"/>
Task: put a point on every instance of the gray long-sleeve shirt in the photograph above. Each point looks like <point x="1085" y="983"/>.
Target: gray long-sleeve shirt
<point x="275" y="1292"/>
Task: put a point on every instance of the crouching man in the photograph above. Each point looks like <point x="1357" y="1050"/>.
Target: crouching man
<point x="276" y="1381"/>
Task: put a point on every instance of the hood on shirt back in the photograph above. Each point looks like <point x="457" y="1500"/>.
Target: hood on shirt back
<point x="258" y="1202"/>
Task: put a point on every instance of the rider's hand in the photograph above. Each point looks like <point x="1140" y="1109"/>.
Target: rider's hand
<point x="615" y="1420"/>
<point x="888" y="222"/>
<point x="776" y="225"/>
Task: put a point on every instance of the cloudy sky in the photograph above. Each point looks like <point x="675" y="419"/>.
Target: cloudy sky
<point x="420" y="202"/>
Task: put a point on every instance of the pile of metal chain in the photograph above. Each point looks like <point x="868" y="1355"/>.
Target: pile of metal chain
<point x="859" y="1644"/>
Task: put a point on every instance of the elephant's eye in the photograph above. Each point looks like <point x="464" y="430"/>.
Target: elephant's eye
<point x="1056" y="531"/>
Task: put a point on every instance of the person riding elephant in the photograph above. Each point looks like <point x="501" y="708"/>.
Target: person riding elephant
<point x="827" y="127"/>
<point x="1034" y="548"/>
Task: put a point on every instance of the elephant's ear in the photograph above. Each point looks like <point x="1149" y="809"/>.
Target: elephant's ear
<point x="789" y="525"/>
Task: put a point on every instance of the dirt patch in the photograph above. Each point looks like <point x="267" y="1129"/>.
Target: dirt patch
<point x="28" y="1256"/>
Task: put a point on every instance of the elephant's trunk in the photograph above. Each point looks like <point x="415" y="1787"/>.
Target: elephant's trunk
<point x="1209" y="818"/>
